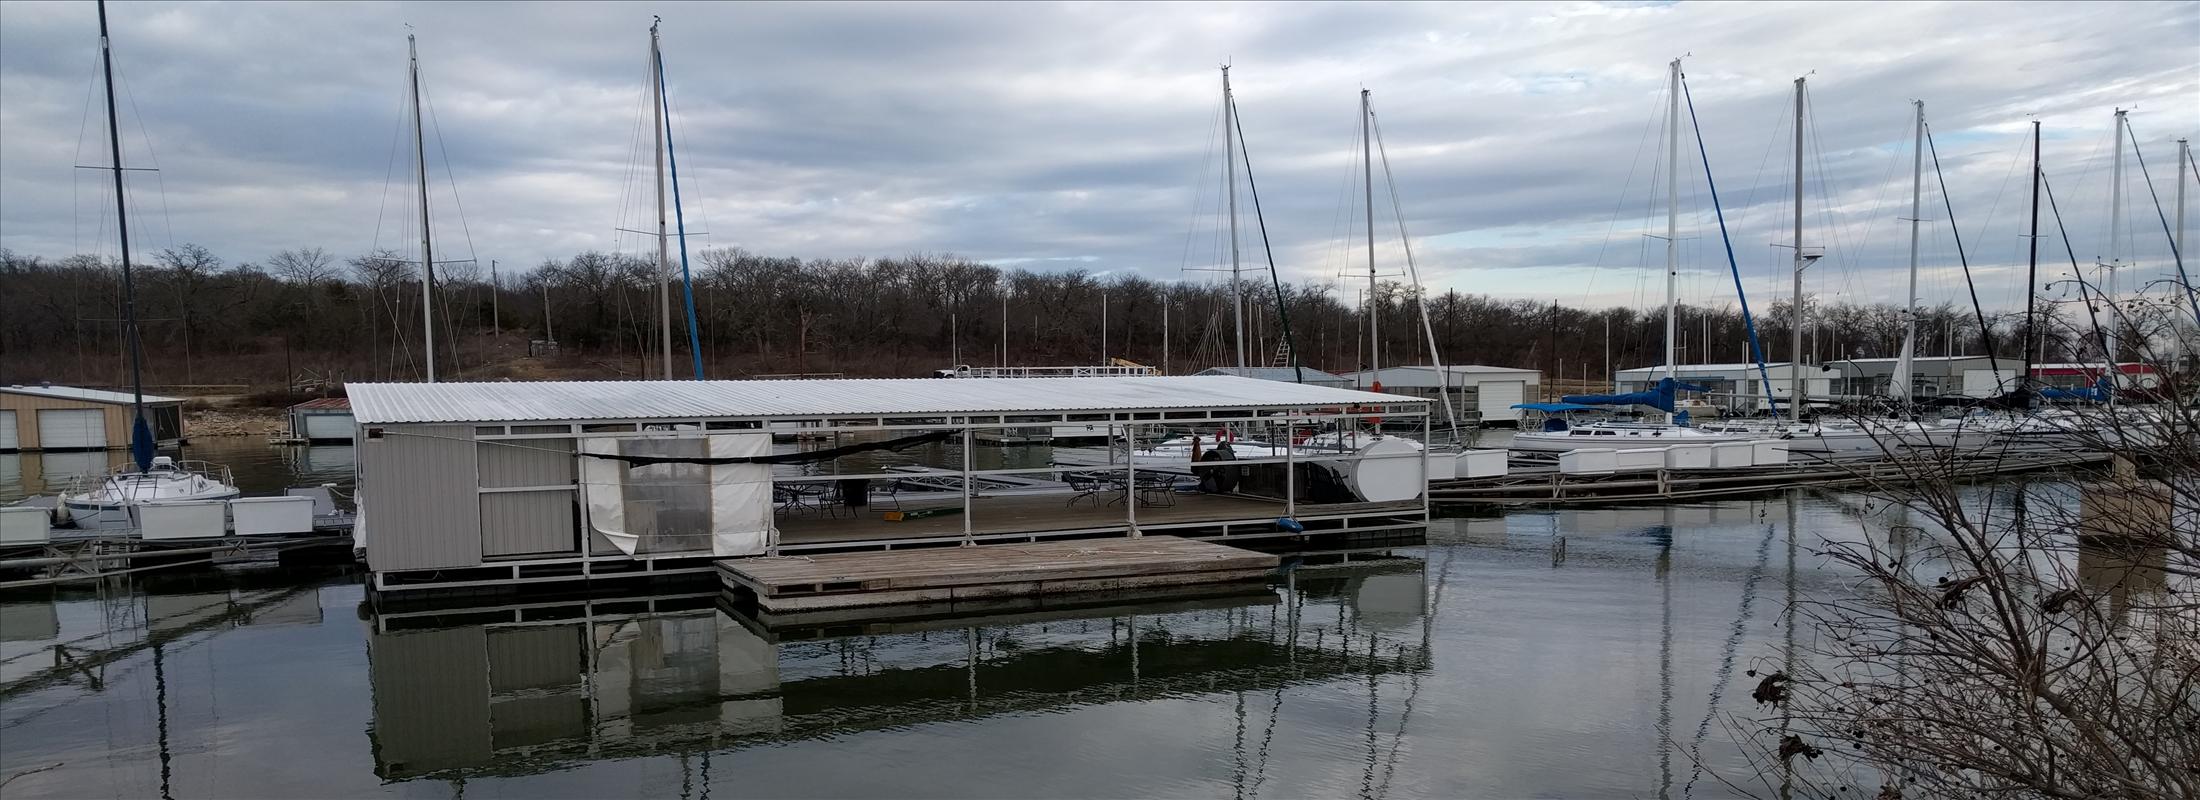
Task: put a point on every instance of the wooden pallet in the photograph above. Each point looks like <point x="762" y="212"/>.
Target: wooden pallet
<point x="990" y="572"/>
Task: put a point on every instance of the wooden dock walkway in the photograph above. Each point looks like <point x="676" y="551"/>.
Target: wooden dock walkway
<point x="1086" y="568"/>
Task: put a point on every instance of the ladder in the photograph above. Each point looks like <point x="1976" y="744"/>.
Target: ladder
<point x="1283" y="355"/>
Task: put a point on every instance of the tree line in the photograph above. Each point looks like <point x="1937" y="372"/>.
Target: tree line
<point x="312" y="315"/>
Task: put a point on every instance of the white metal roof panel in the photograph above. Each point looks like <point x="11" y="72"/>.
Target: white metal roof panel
<point x="399" y="403"/>
<point x="87" y="395"/>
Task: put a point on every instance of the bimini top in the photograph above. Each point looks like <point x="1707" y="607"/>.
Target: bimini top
<point x="86" y="395"/>
<point x="549" y="401"/>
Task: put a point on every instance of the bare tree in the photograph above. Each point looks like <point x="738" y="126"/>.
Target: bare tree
<point x="2033" y="640"/>
<point x="310" y="266"/>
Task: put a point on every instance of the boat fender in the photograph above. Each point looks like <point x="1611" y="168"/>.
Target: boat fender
<point x="1289" y="525"/>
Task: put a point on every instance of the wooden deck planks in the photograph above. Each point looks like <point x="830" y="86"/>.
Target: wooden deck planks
<point x="786" y="583"/>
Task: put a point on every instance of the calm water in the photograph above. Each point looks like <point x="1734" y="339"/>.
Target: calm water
<point x="1485" y="664"/>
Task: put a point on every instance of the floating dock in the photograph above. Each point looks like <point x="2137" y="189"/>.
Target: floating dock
<point x="1549" y="486"/>
<point x="987" y="574"/>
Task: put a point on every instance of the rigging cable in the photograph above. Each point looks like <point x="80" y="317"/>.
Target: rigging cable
<point x="1413" y="273"/>
<point x="450" y="327"/>
<point x="1749" y="322"/>
<point x="2192" y="296"/>
<point x="2084" y="296"/>
<point x="1282" y="312"/>
<point x="1613" y="225"/>
<point x="1986" y="333"/>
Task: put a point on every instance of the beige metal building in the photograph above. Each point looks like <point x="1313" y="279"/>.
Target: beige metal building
<point x="1479" y="392"/>
<point x="68" y="418"/>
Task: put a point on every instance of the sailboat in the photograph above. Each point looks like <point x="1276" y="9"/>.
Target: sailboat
<point x="1820" y="435"/>
<point x="1558" y="435"/>
<point x="147" y="478"/>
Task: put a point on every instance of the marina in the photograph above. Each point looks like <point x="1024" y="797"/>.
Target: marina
<point x="973" y="444"/>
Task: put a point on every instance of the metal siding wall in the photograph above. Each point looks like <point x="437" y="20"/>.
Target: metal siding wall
<point x="524" y="462"/>
<point x="527" y="523"/>
<point x="421" y="501"/>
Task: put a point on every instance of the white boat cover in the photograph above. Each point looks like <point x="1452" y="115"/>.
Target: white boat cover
<point x="680" y="508"/>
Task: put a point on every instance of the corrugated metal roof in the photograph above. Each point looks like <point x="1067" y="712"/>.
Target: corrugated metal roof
<point x="1283" y="374"/>
<point x="398" y="403"/>
<point x="325" y="404"/>
<point x="87" y="395"/>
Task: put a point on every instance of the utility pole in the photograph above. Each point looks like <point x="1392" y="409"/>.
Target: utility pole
<point x="1165" y="303"/>
<point x="1104" y="328"/>
<point x="496" y="287"/>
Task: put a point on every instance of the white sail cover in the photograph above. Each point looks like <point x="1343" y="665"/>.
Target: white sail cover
<point x="722" y="509"/>
<point x="1898" y="386"/>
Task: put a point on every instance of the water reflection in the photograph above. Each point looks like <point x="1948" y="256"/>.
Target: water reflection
<point x="522" y="689"/>
<point x="2124" y="571"/>
<point x="258" y="467"/>
<point x="1472" y="667"/>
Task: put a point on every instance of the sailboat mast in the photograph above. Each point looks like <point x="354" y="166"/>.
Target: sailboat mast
<point x="1367" y="161"/>
<point x="664" y="256"/>
<point x="1901" y="385"/>
<point x="1795" y="339"/>
<point x="2032" y="268"/>
<point x="2184" y="161"/>
<point x="1229" y="180"/>
<point x="138" y="426"/>
<point x="1672" y="222"/>
<point x="2115" y="247"/>
<point x="427" y="244"/>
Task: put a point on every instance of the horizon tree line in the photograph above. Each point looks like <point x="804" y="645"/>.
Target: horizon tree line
<point x="311" y="315"/>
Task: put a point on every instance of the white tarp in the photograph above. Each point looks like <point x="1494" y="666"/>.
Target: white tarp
<point x="740" y="495"/>
<point x="680" y="508"/>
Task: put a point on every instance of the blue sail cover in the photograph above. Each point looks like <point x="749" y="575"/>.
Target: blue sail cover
<point x="2097" y="393"/>
<point x="1659" y="397"/>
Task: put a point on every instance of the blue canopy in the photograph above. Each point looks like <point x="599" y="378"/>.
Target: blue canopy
<point x="1554" y="408"/>
<point x="1659" y="397"/>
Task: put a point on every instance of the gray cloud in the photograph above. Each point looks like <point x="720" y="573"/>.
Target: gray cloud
<point x="1074" y="136"/>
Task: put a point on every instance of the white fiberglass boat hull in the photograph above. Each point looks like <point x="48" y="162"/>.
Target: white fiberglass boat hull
<point x="108" y="506"/>
<point x="1621" y="436"/>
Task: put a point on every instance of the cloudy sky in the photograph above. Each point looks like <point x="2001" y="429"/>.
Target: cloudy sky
<point x="1525" y="140"/>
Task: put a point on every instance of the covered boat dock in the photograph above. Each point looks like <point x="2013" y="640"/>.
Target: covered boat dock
<point x="487" y="484"/>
